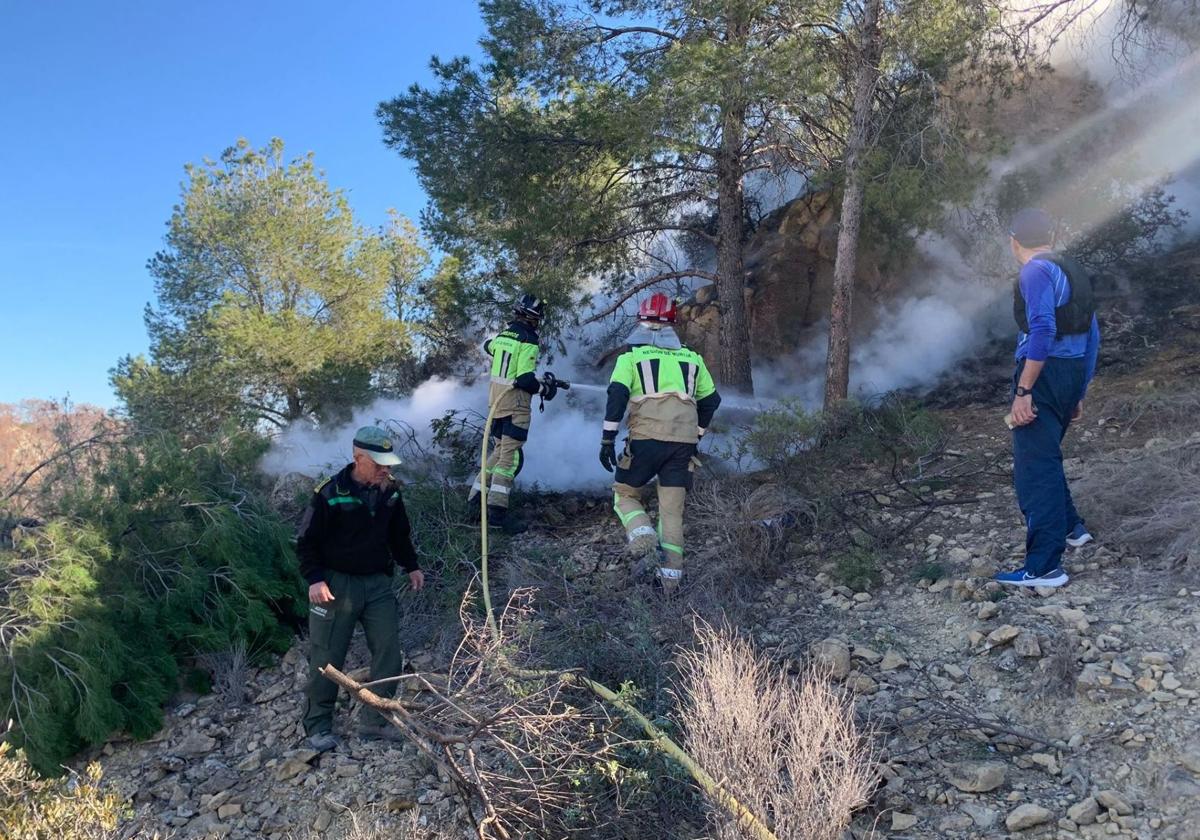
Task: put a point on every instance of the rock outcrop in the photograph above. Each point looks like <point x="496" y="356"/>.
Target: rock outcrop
<point x="789" y="270"/>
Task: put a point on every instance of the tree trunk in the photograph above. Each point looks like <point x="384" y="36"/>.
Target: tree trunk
<point x="734" y="364"/>
<point x="295" y="408"/>
<point x="837" y="367"/>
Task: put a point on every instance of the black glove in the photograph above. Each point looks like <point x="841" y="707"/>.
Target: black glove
<point x="549" y="387"/>
<point x="608" y="454"/>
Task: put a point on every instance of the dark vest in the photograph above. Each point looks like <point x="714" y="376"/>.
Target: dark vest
<point x="1075" y="316"/>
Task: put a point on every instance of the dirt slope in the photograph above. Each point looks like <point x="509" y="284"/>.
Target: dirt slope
<point x="1070" y="713"/>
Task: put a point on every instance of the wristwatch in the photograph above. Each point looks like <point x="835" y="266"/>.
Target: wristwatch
<point x="1023" y="392"/>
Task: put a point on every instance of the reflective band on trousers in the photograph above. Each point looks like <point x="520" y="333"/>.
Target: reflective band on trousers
<point x="624" y="517"/>
<point x="499" y="489"/>
<point x="670" y="574"/>
<point x="641" y="531"/>
<point x="678" y="549"/>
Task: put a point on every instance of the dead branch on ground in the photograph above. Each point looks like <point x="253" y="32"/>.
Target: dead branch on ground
<point x="515" y="751"/>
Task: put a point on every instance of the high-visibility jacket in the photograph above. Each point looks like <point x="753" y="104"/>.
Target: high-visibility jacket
<point x="669" y="393"/>
<point x="514" y="379"/>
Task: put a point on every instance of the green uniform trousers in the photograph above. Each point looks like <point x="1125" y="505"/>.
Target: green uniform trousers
<point x="357" y="598"/>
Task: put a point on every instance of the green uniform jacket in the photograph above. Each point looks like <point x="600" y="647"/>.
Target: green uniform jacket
<point x="354" y="529"/>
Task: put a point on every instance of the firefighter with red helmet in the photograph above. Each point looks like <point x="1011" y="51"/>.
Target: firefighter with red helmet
<point x="671" y="400"/>
<point x="514" y="383"/>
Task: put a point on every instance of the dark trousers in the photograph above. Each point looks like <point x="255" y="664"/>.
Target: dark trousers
<point x="1042" y="490"/>
<point x="357" y="598"/>
<point x="645" y="460"/>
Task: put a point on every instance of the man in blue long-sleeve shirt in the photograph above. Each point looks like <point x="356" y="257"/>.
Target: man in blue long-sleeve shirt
<point x="1057" y="346"/>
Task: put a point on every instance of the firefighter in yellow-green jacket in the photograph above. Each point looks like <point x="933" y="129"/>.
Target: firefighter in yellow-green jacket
<point x="671" y="400"/>
<point x="514" y="384"/>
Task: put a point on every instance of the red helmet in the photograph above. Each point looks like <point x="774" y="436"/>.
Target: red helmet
<point x="658" y="307"/>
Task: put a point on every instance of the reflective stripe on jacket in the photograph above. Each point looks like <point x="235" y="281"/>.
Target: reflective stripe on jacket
<point x="514" y="355"/>
<point x="663" y="386"/>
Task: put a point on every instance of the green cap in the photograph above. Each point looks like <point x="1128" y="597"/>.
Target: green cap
<point x="376" y="443"/>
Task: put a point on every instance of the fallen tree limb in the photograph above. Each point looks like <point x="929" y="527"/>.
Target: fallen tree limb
<point x="16" y="488"/>
<point x="424" y="736"/>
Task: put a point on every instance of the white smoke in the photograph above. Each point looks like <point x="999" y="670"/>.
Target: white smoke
<point x="554" y="457"/>
<point x="306" y="449"/>
<point x="958" y="299"/>
<point x="943" y="317"/>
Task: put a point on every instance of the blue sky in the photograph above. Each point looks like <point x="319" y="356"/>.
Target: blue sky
<point x="101" y="105"/>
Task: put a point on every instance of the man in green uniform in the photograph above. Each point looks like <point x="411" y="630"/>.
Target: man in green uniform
<point x="353" y="534"/>
<point x="671" y="400"/>
<point x="514" y="383"/>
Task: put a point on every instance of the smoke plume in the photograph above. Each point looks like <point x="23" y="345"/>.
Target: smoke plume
<point x="954" y="303"/>
<point x="554" y="457"/>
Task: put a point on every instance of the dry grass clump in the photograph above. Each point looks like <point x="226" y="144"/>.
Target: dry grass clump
<point x="1153" y="410"/>
<point x="746" y="523"/>
<point x="1059" y="665"/>
<point x="789" y="748"/>
<point x="75" y="807"/>
<point x="1148" y="499"/>
<point x="230" y="673"/>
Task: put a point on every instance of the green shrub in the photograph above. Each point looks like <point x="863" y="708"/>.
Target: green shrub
<point x="889" y="426"/>
<point x="448" y="547"/>
<point x="163" y="554"/>
<point x="929" y="570"/>
<point x="780" y="435"/>
<point x="806" y="448"/>
<point x="457" y="437"/>
<point x="857" y="568"/>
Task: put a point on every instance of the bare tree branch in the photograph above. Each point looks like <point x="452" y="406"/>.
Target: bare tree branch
<point x="646" y="284"/>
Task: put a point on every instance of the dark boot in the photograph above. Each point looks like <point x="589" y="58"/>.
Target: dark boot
<point x="646" y="567"/>
<point x="496" y="516"/>
<point x="664" y="588"/>
<point x="502" y="520"/>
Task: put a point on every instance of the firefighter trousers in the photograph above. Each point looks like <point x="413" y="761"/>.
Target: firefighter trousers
<point x="671" y="464"/>
<point x="504" y="461"/>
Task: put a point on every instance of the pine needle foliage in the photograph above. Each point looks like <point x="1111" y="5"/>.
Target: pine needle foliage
<point x="164" y="553"/>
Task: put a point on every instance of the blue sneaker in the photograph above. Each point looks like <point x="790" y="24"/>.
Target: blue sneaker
<point x="1079" y="536"/>
<point x="1054" y="577"/>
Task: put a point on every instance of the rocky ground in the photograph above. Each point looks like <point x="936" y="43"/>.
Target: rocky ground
<point x="236" y="767"/>
<point x="1051" y="713"/>
<point x="1057" y="713"/>
<point x="1069" y="713"/>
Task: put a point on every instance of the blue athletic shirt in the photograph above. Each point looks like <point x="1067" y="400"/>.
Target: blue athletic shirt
<point x="1045" y="287"/>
